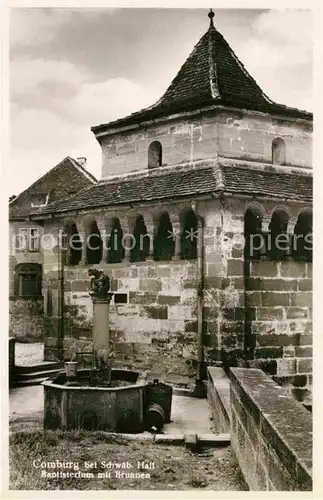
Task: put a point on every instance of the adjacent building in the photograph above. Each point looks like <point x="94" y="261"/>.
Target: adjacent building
<point x="26" y="258"/>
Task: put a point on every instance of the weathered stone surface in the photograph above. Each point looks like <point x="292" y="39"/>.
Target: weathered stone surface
<point x="26" y="320"/>
<point x="261" y="415"/>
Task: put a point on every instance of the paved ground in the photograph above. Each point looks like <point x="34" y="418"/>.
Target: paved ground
<point x="29" y="354"/>
<point x="188" y="414"/>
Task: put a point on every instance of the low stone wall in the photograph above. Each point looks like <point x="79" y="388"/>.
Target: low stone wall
<point x="271" y="433"/>
<point x="218" y="395"/>
<point x="26" y="321"/>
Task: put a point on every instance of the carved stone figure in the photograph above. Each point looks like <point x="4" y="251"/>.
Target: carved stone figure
<point x="100" y="283"/>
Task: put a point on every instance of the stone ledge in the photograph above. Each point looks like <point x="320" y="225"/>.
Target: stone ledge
<point x="276" y="419"/>
<point x="218" y="385"/>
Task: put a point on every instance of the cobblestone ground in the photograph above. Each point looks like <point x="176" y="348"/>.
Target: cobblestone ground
<point x="29" y="354"/>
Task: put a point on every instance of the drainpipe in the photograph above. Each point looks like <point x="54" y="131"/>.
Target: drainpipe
<point x="201" y="368"/>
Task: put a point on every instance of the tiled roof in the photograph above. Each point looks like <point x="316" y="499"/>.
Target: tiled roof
<point x="59" y="182"/>
<point x="211" y="75"/>
<point x="178" y="183"/>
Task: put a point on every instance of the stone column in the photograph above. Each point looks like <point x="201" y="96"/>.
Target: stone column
<point x="102" y="226"/>
<point x="127" y="225"/>
<point x="177" y="235"/>
<point x="265" y="232"/>
<point x="101" y="329"/>
<point x="151" y="233"/>
<point x="290" y="232"/>
<point x="82" y="235"/>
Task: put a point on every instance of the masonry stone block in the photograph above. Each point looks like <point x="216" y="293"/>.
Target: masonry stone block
<point x="296" y="312"/>
<point x="149" y="285"/>
<point x="286" y="366"/>
<point x="293" y="269"/>
<point x="301" y="299"/>
<point x="304" y="365"/>
<point x="253" y="298"/>
<point x="270" y="314"/>
<point x="235" y="267"/>
<point x="156" y="312"/>
<point x="303" y="352"/>
<point x="269" y="352"/>
<point x="264" y="268"/>
<point x="275" y="298"/>
<point x="305" y="285"/>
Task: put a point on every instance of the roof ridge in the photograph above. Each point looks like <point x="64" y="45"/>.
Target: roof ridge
<point x="83" y="170"/>
<point x="212" y="66"/>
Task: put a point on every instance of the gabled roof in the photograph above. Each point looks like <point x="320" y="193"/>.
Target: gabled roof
<point x="212" y="75"/>
<point x="179" y="183"/>
<point x="59" y="182"/>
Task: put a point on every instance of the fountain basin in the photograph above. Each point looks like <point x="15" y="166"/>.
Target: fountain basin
<point x="82" y="406"/>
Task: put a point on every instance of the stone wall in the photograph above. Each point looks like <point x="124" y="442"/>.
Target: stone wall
<point x="278" y="303"/>
<point x="241" y="135"/>
<point x="272" y="453"/>
<point x="260" y="320"/>
<point x="25" y="256"/>
<point x="26" y="321"/>
<point x="154" y="326"/>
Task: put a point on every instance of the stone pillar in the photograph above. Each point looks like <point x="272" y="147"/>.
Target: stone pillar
<point x="265" y="232"/>
<point x="290" y="232"/>
<point x="151" y="233"/>
<point x="101" y="329"/>
<point x="82" y="234"/>
<point x="102" y="226"/>
<point x="177" y="236"/>
<point x="127" y="225"/>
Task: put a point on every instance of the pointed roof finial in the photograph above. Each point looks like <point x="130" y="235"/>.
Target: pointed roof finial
<point x="211" y="15"/>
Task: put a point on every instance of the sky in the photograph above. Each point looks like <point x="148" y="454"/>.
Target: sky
<point x="71" y="69"/>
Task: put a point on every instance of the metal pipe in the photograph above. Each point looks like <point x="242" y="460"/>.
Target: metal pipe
<point x="200" y="375"/>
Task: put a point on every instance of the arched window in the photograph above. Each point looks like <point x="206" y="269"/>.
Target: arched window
<point x="116" y="250"/>
<point x="302" y="242"/>
<point x="28" y="278"/>
<point x="278" y="149"/>
<point x="164" y="245"/>
<point x="189" y="236"/>
<point x="94" y="244"/>
<point x="75" y="246"/>
<point x="253" y="233"/>
<point x="278" y="243"/>
<point x="154" y="154"/>
<point x="141" y="249"/>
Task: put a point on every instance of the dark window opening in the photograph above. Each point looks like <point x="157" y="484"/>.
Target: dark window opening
<point x="278" y="151"/>
<point x="189" y="236"/>
<point x="116" y="249"/>
<point x="141" y="241"/>
<point x="155" y="155"/>
<point x="164" y="245"/>
<point x="120" y="298"/>
<point x="94" y="245"/>
<point x="253" y="234"/>
<point x="39" y="199"/>
<point x="302" y="241"/>
<point x="75" y="246"/>
<point x="28" y="280"/>
<point x="278" y="244"/>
